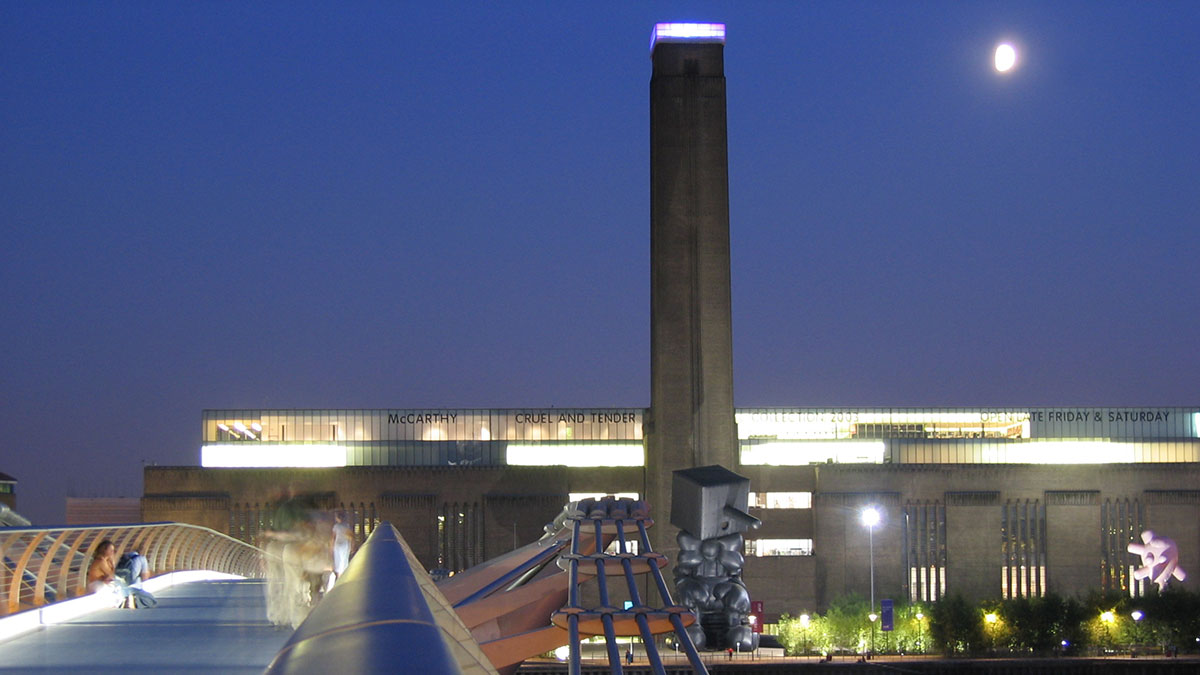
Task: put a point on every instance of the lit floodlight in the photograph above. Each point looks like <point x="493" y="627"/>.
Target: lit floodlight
<point x="1137" y="615"/>
<point x="1108" y="617"/>
<point x="804" y="619"/>
<point x="1006" y="57"/>
<point x="991" y="617"/>
<point x="870" y="516"/>
<point x="687" y="32"/>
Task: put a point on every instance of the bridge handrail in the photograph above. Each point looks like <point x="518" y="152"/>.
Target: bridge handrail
<point x="39" y="565"/>
<point x="383" y="615"/>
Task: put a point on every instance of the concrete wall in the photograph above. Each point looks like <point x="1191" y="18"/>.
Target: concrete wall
<point x="1175" y="514"/>
<point x="973" y="496"/>
<point x="411" y="498"/>
<point x="973" y="534"/>
<point x="103" y="510"/>
<point x="973" y="493"/>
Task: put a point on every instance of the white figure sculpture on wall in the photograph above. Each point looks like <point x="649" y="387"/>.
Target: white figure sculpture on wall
<point x="1160" y="560"/>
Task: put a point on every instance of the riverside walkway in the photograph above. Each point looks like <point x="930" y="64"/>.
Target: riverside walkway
<point x="199" y="627"/>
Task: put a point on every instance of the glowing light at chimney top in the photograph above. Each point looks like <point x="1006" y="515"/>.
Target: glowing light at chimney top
<point x="687" y="32"/>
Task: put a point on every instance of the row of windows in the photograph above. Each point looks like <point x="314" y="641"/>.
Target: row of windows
<point x="249" y="521"/>
<point x="1024" y="548"/>
<point x="762" y="548"/>
<point x="322" y="426"/>
<point x="995" y="423"/>
<point x="759" y="452"/>
<point x="782" y="424"/>
<point x="925" y="547"/>
<point x="421" y="453"/>
<point x="459" y="536"/>
<point x="781" y="500"/>
<point x="631" y="453"/>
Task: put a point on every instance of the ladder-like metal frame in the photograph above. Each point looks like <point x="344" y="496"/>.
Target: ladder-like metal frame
<point x="608" y="518"/>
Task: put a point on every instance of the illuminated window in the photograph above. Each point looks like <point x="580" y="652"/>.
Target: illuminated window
<point x="1023" y="531"/>
<point x="631" y="546"/>
<point x="580" y="496"/>
<point x="575" y="454"/>
<point x="263" y="456"/>
<point x="232" y="430"/>
<point x="925" y="539"/>
<point x="765" y="548"/>
<point x="781" y="500"/>
<point x="926" y="582"/>
<point x="801" y="453"/>
<point x="460" y="535"/>
<point x="832" y="424"/>
<point x="1121" y="521"/>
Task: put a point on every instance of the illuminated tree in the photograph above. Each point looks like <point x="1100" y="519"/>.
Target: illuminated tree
<point x="956" y="626"/>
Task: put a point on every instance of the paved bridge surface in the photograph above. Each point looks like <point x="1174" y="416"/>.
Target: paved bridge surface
<point x="200" y="627"/>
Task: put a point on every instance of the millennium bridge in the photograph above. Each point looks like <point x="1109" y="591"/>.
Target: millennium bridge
<point x="385" y="614"/>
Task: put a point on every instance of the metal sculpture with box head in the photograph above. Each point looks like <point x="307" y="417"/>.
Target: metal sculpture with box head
<point x="709" y="505"/>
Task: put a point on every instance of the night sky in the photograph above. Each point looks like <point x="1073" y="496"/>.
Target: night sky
<point x="391" y="205"/>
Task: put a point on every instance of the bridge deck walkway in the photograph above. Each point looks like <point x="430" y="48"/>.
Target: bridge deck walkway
<point x="209" y="627"/>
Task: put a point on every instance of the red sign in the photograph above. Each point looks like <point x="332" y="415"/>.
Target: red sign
<point x="756" y="614"/>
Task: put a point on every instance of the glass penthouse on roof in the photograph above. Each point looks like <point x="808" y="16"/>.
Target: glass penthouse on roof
<point x="767" y="436"/>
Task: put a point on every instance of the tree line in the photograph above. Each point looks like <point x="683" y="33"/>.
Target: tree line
<point x="1049" y="625"/>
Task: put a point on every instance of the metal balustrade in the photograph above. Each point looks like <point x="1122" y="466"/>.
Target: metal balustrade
<point x="42" y="565"/>
<point x="384" y="615"/>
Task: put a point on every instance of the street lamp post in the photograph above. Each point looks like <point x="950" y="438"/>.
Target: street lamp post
<point x="870" y="518"/>
<point x="873" y="617"/>
<point x="1107" y="619"/>
<point x="1136" y="615"/>
<point x="920" y="641"/>
<point x="804" y="627"/>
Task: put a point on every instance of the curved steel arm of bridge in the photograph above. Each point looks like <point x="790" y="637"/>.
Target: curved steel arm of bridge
<point x="383" y="615"/>
<point x="41" y="565"/>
